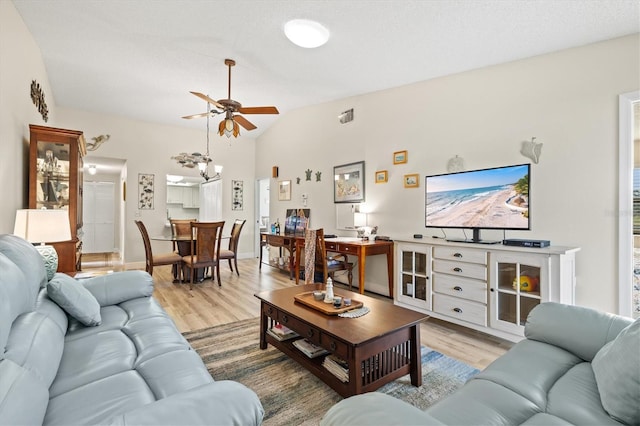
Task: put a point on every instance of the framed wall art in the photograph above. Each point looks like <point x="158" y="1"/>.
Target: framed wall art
<point x="399" y="157"/>
<point x="348" y="186"/>
<point x="145" y="191"/>
<point x="237" y="196"/>
<point x="412" y="180"/>
<point x="284" y="190"/>
<point x="382" y="176"/>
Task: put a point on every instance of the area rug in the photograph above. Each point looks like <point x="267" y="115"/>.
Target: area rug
<point x="290" y="394"/>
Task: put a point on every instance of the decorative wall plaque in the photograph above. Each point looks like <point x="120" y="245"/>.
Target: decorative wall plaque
<point x="37" y="96"/>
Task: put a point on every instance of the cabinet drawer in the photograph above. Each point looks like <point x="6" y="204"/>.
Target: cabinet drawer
<point x="463" y="269"/>
<point x="465" y="310"/>
<point x="460" y="254"/>
<point x="460" y="287"/>
<point x="303" y="329"/>
<point x="348" y="249"/>
<point x="331" y="246"/>
<point x="336" y="346"/>
<point x="275" y="240"/>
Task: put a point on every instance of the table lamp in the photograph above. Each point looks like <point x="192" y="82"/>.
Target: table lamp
<point x="40" y="226"/>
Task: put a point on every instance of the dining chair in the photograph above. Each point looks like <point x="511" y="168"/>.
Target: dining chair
<point x="232" y="252"/>
<point x="205" y="249"/>
<point x="315" y="255"/>
<point x="180" y="228"/>
<point x="159" y="259"/>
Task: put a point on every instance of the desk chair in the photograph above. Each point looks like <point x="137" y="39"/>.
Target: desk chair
<point x="205" y="249"/>
<point x="315" y="253"/>
<point x="158" y="259"/>
<point x="232" y="252"/>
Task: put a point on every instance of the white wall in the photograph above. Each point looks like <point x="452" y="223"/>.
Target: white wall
<point x="568" y="100"/>
<point x="20" y="63"/>
<point x="148" y="148"/>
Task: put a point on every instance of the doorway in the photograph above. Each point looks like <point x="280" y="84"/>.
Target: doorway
<point x="104" y="195"/>
<point x="261" y="211"/>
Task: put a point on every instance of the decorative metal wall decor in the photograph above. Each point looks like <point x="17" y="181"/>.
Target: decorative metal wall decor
<point x="37" y="96"/>
<point x="97" y="141"/>
<point x="145" y="191"/>
<point x="318" y="176"/>
<point x="237" y="195"/>
<point x="308" y="174"/>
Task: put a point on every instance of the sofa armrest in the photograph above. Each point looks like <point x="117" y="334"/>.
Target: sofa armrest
<point x="375" y="408"/>
<point x="222" y="403"/>
<point x="111" y="289"/>
<point x="579" y="330"/>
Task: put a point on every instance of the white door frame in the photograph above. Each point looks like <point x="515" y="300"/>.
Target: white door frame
<point x="625" y="201"/>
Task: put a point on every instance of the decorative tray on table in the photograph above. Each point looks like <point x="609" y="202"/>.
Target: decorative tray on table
<point x="326" y="308"/>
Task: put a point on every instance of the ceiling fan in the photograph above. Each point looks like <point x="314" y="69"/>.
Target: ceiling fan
<point x="231" y="109"/>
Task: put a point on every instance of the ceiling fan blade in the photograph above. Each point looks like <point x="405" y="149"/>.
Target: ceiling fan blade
<point x="208" y="99"/>
<point x="244" y="122"/>
<point x="204" y="114"/>
<point x="259" y="110"/>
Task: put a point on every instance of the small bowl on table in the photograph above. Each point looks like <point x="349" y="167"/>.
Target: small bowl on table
<point x="318" y="295"/>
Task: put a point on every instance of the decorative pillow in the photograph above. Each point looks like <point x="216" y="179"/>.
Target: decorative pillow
<point x="76" y="300"/>
<point x="617" y="370"/>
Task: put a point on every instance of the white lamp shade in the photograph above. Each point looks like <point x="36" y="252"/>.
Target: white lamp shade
<point x="42" y="226"/>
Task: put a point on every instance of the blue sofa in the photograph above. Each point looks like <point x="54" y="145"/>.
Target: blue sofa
<point x="129" y="366"/>
<point x="576" y="366"/>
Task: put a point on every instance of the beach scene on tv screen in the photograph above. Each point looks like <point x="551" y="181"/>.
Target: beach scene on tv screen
<point x="492" y="198"/>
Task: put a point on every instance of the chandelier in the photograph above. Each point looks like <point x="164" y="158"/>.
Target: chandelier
<point x="201" y="160"/>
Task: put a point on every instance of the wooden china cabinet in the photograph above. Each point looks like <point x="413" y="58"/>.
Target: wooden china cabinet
<point x="55" y="182"/>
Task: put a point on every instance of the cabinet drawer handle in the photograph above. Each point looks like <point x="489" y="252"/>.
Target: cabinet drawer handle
<point x="458" y="310"/>
<point x="310" y="333"/>
<point x="332" y="346"/>
<point x="457" y="254"/>
<point x="457" y="288"/>
<point x="456" y="269"/>
<point x="285" y="319"/>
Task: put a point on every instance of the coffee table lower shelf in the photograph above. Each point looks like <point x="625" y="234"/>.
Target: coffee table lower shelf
<point x="390" y="360"/>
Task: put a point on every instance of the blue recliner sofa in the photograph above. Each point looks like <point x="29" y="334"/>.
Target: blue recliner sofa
<point x="129" y="365"/>
<point x="577" y="366"/>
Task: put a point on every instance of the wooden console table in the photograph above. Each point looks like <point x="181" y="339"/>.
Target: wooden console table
<point x="347" y="246"/>
<point x="379" y="347"/>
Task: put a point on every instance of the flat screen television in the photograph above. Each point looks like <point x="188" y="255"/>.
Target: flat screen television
<point x="495" y="198"/>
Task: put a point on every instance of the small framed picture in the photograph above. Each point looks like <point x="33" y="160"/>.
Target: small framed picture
<point x="381" y="176"/>
<point x="284" y="190"/>
<point x="399" y="157"/>
<point x="412" y="180"/>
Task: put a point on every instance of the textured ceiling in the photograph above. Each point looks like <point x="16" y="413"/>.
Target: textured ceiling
<point x="140" y="58"/>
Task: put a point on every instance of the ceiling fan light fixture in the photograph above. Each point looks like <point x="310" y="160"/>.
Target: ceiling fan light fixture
<point x="306" y="33"/>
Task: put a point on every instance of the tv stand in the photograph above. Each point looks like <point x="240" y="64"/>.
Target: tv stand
<point x="462" y="240"/>
<point x="475" y="239"/>
<point x="489" y="288"/>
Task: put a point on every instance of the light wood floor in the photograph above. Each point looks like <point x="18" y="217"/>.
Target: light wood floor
<point x="209" y="305"/>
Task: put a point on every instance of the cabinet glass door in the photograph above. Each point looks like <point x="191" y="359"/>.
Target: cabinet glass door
<point x="414" y="277"/>
<point x="517" y="290"/>
<point x="52" y="175"/>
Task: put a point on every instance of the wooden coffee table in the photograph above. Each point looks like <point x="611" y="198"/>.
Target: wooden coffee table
<point x="379" y="347"/>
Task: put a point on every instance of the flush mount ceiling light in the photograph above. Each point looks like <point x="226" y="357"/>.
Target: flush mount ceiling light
<point x="306" y="33"/>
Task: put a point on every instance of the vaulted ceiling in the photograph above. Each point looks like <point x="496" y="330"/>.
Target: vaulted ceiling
<point x="140" y="58"/>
